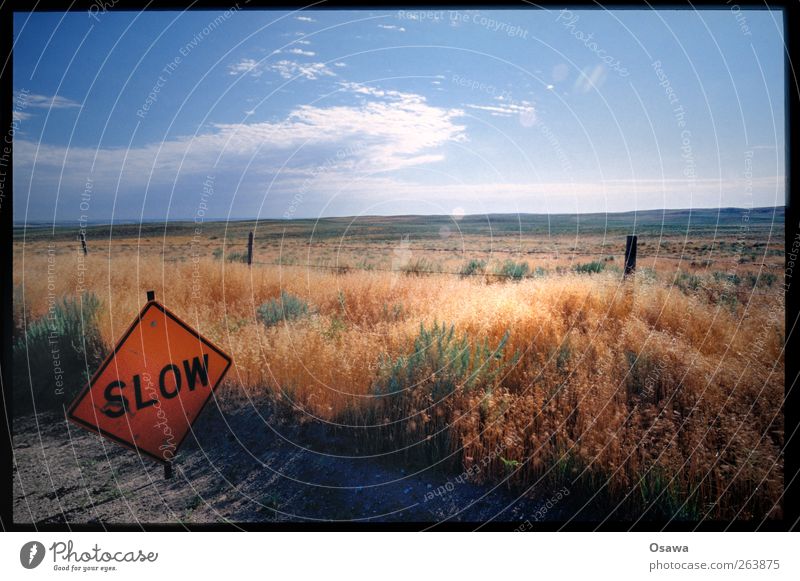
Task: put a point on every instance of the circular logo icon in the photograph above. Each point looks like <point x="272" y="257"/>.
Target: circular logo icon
<point x="31" y="554"/>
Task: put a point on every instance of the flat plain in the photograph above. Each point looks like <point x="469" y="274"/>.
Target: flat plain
<point x="502" y="353"/>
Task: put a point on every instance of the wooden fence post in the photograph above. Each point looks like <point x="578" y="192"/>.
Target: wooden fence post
<point x="250" y="249"/>
<point x="630" y="255"/>
<point x="82" y="236"/>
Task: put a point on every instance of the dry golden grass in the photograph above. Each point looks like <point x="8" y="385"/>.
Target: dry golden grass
<point x="637" y="386"/>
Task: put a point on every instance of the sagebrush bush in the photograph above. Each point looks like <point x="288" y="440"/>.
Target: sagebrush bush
<point x="593" y="267"/>
<point x="443" y="362"/>
<point x="284" y="308"/>
<point x="728" y="278"/>
<point x="57" y="354"/>
<point x="687" y="281"/>
<point x="419" y="267"/>
<point x="473" y="267"/>
<point x="237" y="257"/>
<point x="422" y="389"/>
<point x="513" y="270"/>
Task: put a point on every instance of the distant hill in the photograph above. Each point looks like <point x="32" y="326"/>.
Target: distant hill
<point x="695" y="222"/>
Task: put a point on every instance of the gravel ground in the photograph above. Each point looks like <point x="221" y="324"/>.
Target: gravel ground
<point x="241" y="466"/>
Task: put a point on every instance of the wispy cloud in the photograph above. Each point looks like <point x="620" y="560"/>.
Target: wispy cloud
<point x="393" y="129"/>
<point x="20" y="116"/>
<point x="301" y="52"/>
<point x="305" y="19"/>
<point x="508" y="108"/>
<point x="392" y="27"/>
<point x="291" y="69"/>
<point x="288" y="69"/>
<point x="47" y="102"/>
<point x="245" y="66"/>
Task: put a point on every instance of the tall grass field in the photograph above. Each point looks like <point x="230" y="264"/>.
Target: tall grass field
<point x="657" y="396"/>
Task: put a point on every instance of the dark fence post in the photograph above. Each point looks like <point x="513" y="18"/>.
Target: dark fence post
<point x="630" y="255"/>
<point x="82" y="236"/>
<point x="250" y="249"/>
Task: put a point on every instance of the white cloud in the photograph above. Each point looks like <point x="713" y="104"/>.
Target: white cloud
<point x="361" y="89"/>
<point x="20" y="115"/>
<point x="392" y="27"/>
<point x="339" y="64"/>
<point x="305" y="19"/>
<point x="393" y="130"/>
<point x="302" y="42"/>
<point x="245" y="66"/>
<point x="506" y="110"/>
<point x="291" y="69"/>
<point x="525" y="110"/>
<point x="287" y="69"/>
<point x="301" y="52"/>
<point x="45" y="102"/>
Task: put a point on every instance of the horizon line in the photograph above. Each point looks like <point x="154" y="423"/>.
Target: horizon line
<point x="128" y="221"/>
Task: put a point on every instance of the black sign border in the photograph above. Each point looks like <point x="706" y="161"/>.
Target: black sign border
<point x="138" y="321"/>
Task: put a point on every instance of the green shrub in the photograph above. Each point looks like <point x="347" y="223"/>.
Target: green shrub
<point x="763" y="279"/>
<point x="687" y="281"/>
<point x="419" y="267"/>
<point x="237" y="257"/>
<point x="473" y="267"/>
<point x="57" y="354"/>
<point x="284" y="308"/>
<point x="513" y="270"/>
<point x="217" y="254"/>
<point x="646" y="274"/>
<point x="442" y="362"/>
<point x="593" y="267"/>
<point x="413" y="404"/>
<point x="22" y="311"/>
<point x="727" y="278"/>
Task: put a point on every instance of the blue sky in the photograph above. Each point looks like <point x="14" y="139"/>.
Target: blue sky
<point x="239" y="114"/>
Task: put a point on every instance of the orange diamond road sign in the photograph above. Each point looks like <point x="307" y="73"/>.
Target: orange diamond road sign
<point x="149" y="391"/>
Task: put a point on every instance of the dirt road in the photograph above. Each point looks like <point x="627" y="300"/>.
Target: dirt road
<point x="239" y="466"/>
